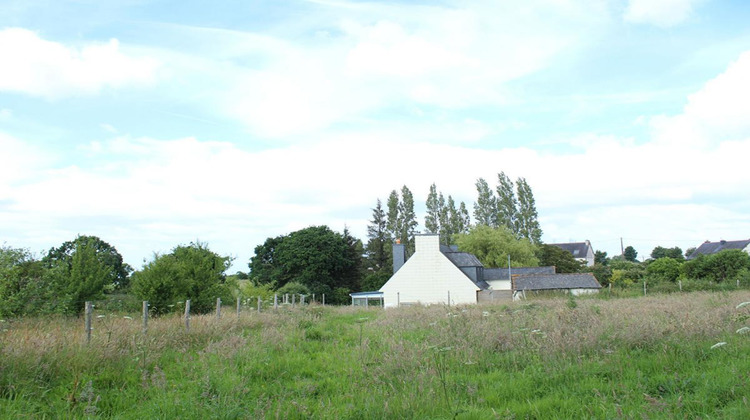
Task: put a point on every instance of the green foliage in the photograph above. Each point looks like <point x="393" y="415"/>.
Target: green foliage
<point x="661" y="252"/>
<point x="625" y="273"/>
<point x="317" y="257"/>
<point x="630" y="254"/>
<point x="493" y="245"/>
<point x="293" y="288"/>
<point x="719" y="267"/>
<point x="378" y="247"/>
<point x="527" y="223"/>
<point x="105" y="253"/>
<point x="86" y="279"/>
<point x="24" y="283"/>
<point x="507" y="206"/>
<point x="375" y="280"/>
<point x="664" y="269"/>
<point x="432" y="219"/>
<point x="563" y="260"/>
<point x="408" y="219"/>
<point x="485" y="208"/>
<point x="189" y="272"/>
<point x="249" y="289"/>
<point x="603" y="273"/>
<point x="600" y="257"/>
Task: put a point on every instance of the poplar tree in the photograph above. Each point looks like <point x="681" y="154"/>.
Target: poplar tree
<point x="507" y="206"/>
<point x="464" y="221"/>
<point x="408" y="219"/>
<point x="527" y="223"/>
<point x="432" y="219"/>
<point x="393" y="224"/>
<point x="485" y="208"/>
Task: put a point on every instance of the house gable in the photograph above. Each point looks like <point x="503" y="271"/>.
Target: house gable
<point x="429" y="277"/>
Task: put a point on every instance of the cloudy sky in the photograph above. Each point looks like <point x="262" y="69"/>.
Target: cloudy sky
<point x="155" y="123"/>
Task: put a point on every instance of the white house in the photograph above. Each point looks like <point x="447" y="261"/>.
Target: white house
<point x="429" y="277"/>
<point x="582" y="251"/>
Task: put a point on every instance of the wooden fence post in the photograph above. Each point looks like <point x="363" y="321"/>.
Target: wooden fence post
<point x="275" y="301"/>
<point x="89" y="310"/>
<point x="218" y="308"/>
<point x="313" y="298"/>
<point x="449" y="298"/>
<point x="187" y="315"/>
<point x="302" y="299"/>
<point x="644" y="287"/>
<point x="398" y="299"/>
<point x="259" y="304"/>
<point x="679" y="282"/>
<point x="238" y="306"/>
<point x="145" y="316"/>
<point x="324" y="299"/>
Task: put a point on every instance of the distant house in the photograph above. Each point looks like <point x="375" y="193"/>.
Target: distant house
<point x="709" y="248"/>
<point x="437" y="274"/>
<point x="582" y="251"/>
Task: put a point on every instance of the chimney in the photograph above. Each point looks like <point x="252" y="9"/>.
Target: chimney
<point x="399" y="255"/>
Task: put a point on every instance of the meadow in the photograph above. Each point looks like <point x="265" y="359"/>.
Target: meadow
<point x="651" y="357"/>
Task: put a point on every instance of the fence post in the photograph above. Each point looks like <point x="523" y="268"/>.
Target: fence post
<point x="145" y="316"/>
<point x="313" y="298"/>
<point x="302" y="299"/>
<point x="89" y="310"/>
<point x="324" y="299"/>
<point x="644" y="287"/>
<point x="275" y="301"/>
<point x="187" y="315"/>
<point x="294" y="297"/>
<point x="238" y="306"/>
<point x="259" y="304"/>
<point x="449" y="298"/>
<point x="218" y="308"/>
<point x="398" y="299"/>
<point x="286" y="297"/>
<point x="680" y="283"/>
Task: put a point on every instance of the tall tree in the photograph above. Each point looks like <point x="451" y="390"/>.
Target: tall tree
<point x="464" y="221"/>
<point x="432" y="219"/>
<point x="317" y="257"/>
<point x="631" y="254"/>
<point x="447" y="211"/>
<point x="408" y="219"/>
<point x="105" y="253"/>
<point x="661" y="252"/>
<point x="507" y="206"/>
<point x="393" y="222"/>
<point x="378" y="243"/>
<point x="485" y="208"/>
<point x="563" y="260"/>
<point x="526" y="222"/>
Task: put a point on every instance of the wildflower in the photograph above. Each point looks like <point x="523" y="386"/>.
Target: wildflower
<point x="743" y="330"/>
<point x="719" y="344"/>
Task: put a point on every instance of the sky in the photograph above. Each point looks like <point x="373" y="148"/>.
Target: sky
<point x="153" y="124"/>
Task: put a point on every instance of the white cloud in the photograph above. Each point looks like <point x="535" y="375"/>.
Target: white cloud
<point x="663" y="13"/>
<point x="49" y="69"/>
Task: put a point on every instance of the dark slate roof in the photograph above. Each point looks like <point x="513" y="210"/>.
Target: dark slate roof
<point x="578" y="249"/>
<point x="708" y="248"/>
<point x="502" y="273"/>
<point x="463" y="259"/>
<point x="556" y="281"/>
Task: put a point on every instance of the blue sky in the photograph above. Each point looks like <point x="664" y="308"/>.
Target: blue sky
<point x="155" y="123"/>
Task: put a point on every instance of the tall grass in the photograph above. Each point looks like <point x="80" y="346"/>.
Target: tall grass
<point x="621" y="358"/>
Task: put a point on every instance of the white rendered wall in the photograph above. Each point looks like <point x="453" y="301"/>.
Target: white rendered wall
<point x="499" y="284"/>
<point x="427" y="277"/>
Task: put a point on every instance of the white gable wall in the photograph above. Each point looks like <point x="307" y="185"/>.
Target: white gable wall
<point x="427" y="278"/>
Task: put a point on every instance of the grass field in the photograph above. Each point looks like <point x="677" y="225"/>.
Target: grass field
<point x="649" y="357"/>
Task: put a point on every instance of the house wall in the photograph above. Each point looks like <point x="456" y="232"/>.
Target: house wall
<point x="499" y="284"/>
<point x="427" y="277"/>
<point x="578" y="292"/>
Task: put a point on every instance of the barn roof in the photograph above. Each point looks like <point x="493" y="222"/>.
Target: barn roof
<point x="556" y="281"/>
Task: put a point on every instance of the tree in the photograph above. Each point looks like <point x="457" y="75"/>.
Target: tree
<point x="493" y="245"/>
<point x="432" y="219"/>
<point x="24" y="286"/>
<point x="447" y="211"/>
<point x="563" y="260"/>
<point x="317" y="257"/>
<point x="507" y="206"/>
<point x="719" y="267"/>
<point x="485" y="208"/>
<point x="664" y="269"/>
<point x="408" y="219"/>
<point x="105" y="253"/>
<point x="189" y="272"/>
<point x="463" y="222"/>
<point x="393" y="222"/>
<point x="661" y="252"/>
<point x="631" y="254"/>
<point x="600" y="257"/>
<point x="526" y="220"/>
<point x="378" y="243"/>
<point x="602" y="272"/>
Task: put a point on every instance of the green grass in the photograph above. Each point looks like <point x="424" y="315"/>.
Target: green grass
<point x="620" y="358"/>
